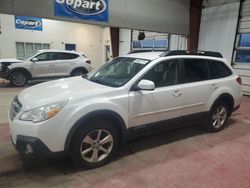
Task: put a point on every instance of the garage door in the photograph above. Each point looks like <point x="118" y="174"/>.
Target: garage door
<point x="242" y="49"/>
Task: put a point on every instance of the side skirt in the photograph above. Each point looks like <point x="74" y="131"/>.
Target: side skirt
<point x="166" y="125"/>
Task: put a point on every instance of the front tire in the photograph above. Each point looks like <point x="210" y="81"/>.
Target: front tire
<point x="18" y="79"/>
<point x="218" y="117"/>
<point x="79" y="72"/>
<point x="94" y="144"/>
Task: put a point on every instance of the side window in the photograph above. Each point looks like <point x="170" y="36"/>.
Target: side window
<point x="66" y="56"/>
<point x="218" y="70"/>
<point x="163" y="74"/>
<point x="42" y="57"/>
<point x="46" y="56"/>
<point x="195" y="70"/>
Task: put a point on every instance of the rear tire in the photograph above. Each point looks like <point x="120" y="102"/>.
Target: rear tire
<point x="94" y="144"/>
<point x="18" y="79"/>
<point x="218" y="117"/>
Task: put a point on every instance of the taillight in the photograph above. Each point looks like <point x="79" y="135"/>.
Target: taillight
<point x="88" y="61"/>
<point x="239" y="80"/>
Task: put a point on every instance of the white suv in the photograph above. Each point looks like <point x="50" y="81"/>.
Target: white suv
<point x="44" y="64"/>
<point x="89" y="117"/>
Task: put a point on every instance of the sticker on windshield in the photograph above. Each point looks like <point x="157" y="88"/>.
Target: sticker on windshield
<point x="140" y="61"/>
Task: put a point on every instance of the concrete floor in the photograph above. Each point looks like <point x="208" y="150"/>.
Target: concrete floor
<point x="188" y="157"/>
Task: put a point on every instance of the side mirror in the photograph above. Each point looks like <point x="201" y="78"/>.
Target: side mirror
<point x="146" y="85"/>
<point x="34" y="59"/>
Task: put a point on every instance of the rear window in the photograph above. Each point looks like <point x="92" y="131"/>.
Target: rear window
<point x="65" y="56"/>
<point x="218" y="69"/>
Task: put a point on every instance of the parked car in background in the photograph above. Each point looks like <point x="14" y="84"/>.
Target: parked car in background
<point x="89" y="117"/>
<point x="44" y="64"/>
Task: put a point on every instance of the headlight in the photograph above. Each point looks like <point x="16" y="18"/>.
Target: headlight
<point x="43" y="113"/>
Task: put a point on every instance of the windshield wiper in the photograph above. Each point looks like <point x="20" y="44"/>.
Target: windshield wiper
<point x="103" y="83"/>
<point x="96" y="81"/>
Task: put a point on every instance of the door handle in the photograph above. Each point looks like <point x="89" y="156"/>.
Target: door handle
<point x="214" y="86"/>
<point x="177" y="93"/>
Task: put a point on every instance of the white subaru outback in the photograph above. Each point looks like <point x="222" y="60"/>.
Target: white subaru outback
<point x="89" y="117"/>
<point x="44" y="64"/>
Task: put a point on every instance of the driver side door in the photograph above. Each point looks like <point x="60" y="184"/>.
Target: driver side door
<point x="44" y="65"/>
<point x="163" y="103"/>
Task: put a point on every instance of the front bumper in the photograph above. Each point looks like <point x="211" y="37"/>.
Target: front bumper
<point x="31" y="147"/>
<point x="46" y="138"/>
<point x="3" y="72"/>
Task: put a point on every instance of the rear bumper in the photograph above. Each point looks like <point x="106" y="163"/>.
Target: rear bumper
<point x="31" y="147"/>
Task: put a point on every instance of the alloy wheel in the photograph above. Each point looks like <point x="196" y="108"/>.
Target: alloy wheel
<point x="96" y="145"/>
<point x="18" y="79"/>
<point x="219" y="117"/>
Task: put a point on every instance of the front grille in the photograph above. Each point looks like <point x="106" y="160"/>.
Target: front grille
<point x="15" y="108"/>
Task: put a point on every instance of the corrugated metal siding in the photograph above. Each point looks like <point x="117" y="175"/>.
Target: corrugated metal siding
<point x="244" y="26"/>
<point x="243" y="70"/>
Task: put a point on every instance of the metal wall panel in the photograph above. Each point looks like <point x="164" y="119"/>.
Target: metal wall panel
<point x="218" y="28"/>
<point x="6" y="7"/>
<point x="170" y="16"/>
<point x="244" y="24"/>
<point x="214" y="3"/>
<point x="158" y="15"/>
<point x="243" y="69"/>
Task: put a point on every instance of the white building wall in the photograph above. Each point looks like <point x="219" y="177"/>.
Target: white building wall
<point x="89" y="39"/>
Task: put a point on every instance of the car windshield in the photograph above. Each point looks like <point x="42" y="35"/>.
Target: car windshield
<point x="118" y="72"/>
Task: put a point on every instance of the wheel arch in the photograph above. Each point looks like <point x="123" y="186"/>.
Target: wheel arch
<point x="19" y="69"/>
<point x="101" y="114"/>
<point x="228" y="99"/>
<point x="79" y="68"/>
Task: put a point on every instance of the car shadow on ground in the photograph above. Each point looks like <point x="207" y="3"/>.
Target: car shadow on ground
<point x="65" y="166"/>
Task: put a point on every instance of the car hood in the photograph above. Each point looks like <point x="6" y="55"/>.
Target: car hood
<point x="63" y="89"/>
<point x="11" y="61"/>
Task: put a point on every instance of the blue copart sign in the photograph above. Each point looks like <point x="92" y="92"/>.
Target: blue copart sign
<point x="92" y="10"/>
<point x="30" y="23"/>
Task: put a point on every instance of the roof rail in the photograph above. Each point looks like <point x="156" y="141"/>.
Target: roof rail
<point x="141" y="51"/>
<point x="185" y="52"/>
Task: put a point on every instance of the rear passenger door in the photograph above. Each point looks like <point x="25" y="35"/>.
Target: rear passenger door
<point x="197" y="85"/>
<point x="64" y="63"/>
